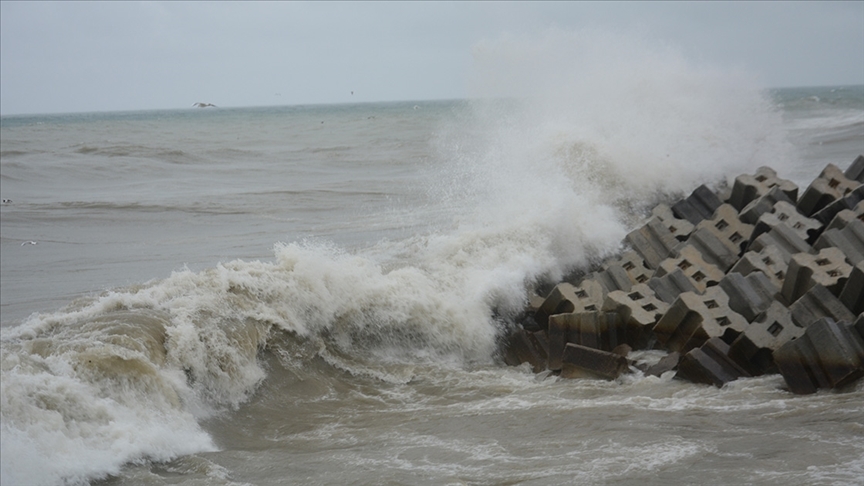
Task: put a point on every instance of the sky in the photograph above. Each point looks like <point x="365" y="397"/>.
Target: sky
<point x="58" y="57"/>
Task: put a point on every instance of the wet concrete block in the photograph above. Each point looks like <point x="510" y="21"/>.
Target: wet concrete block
<point x="769" y="261"/>
<point x="713" y="249"/>
<point x="831" y="185"/>
<point x="726" y="226"/>
<point x="639" y="310"/>
<point x="850" y="201"/>
<point x="753" y="349"/>
<point x="680" y="228"/>
<point x="693" y="319"/>
<point x="523" y="347"/>
<point x="613" y="277"/>
<point x="855" y="171"/>
<point x="764" y="204"/>
<point x="692" y="263"/>
<point x="710" y="364"/>
<point x="668" y="287"/>
<point x="699" y="205"/>
<point x="828" y="355"/>
<point x="827" y="268"/>
<point x="784" y="239"/>
<point x="817" y="303"/>
<point x="584" y="362"/>
<point x="598" y="330"/>
<point x="850" y="240"/>
<point x="667" y="363"/>
<point x="566" y="298"/>
<point x="786" y="213"/>
<point x="749" y="295"/>
<point x="749" y="187"/>
<point x="635" y="267"/>
<point x="653" y="242"/>
<point x="852" y="295"/>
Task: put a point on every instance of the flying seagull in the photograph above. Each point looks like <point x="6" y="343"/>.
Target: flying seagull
<point x="29" y="243"/>
<point x="203" y="105"/>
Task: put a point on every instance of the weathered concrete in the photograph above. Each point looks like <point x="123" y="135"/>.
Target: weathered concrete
<point x="524" y="347"/>
<point x="784" y="239"/>
<point x="827" y="268"/>
<point x="786" y="213"/>
<point x="693" y="319"/>
<point x="749" y="187"/>
<point x="653" y="242"/>
<point x="730" y="230"/>
<point x="753" y="349"/>
<point x="584" y="362"/>
<point x="699" y="205"/>
<point x="714" y="249"/>
<point x="598" y="330"/>
<point x="855" y="171"/>
<point x="690" y="261"/>
<point x="831" y="185"/>
<point x="635" y="267"/>
<point x="764" y="204"/>
<point x="668" y="287"/>
<point x="639" y="310"/>
<point x="613" y="277"/>
<point x="817" y="303"/>
<point x="828" y="355"/>
<point x="769" y="261"/>
<point x="680" y="228"/>
<point x="850" y="240"/>
<point x="566" y="298"/>
<point x="852" y="295"/>
<point x="710" y="364"/>
<point x="847" y="216"/>
<point x="750" y="295"/>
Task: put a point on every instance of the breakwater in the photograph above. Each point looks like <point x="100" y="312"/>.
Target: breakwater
<point x="750" y="280"/>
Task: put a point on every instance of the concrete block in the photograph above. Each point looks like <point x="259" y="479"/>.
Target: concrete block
<point x="710" y="364"/>
<point x="858" y="325"/>
<point x="749" y="187"/>
<point x="827" y="268"/>
<point x="667" y="363"/>
<point x="828" y="355"/>
<point x="850" y="240"/>
<point x="817" y="303"/>
<point x="699" y="205"/>
<point x="784" y="239"/>
<point x="598" y="330"/>
<point x="584" y="362"/>
<point x="753" y="349"/>
<point x="523" y="347"/>
<point x="690" y="261"/>
<point x="653" y="242"/>
<point x="635" y="267"/>
<point x="668" y="287"/>
<point x="693" y="319"/>
<point x="639" y="309"/>
<point x="728" y="228"/>
<point x="831" y="185"/>
<point x="613" y="277"/>
<point x="847" y="216"/>
<point x="566" y="298"/>
<point x="769" y="261"/>
<point x="852" y="295"/>
<point x="749" y="295"/>
<point x="680" y="228"/>
<point x="764" y="204"/>
<point x="855" y="171"/>
<point x="850" y="201"/>
<point x="786" y="213"/>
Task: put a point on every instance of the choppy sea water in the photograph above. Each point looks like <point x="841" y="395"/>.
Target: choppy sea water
<point x="312" y="294"/>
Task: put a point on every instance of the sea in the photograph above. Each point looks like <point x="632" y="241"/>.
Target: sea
<point x="315" y="294"/>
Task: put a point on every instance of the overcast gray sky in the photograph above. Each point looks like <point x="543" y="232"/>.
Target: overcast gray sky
<point x="100" y="56"/>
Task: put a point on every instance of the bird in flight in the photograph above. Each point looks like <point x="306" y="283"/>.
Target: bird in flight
<point x="203" y="105"/>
